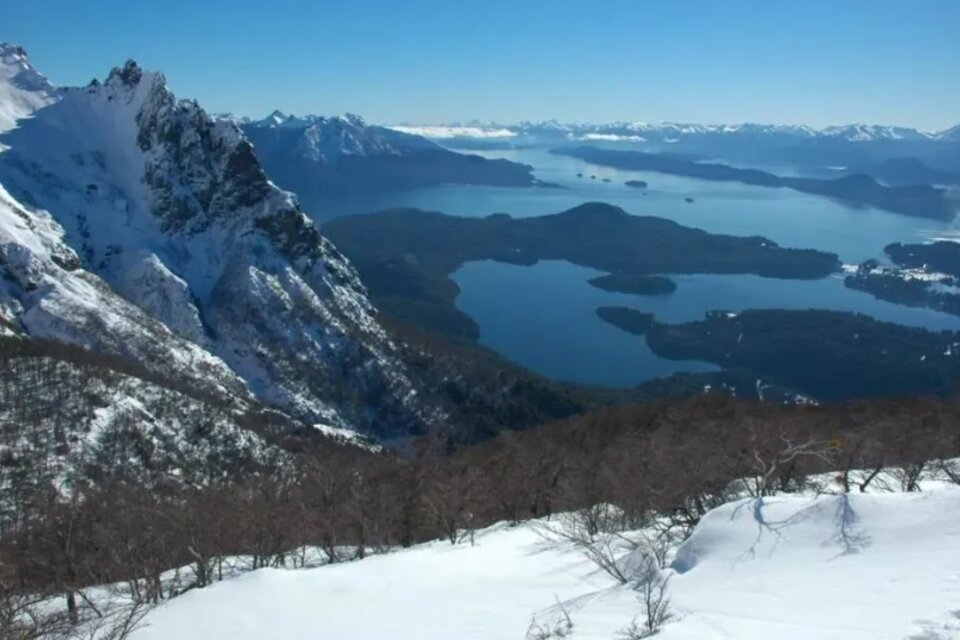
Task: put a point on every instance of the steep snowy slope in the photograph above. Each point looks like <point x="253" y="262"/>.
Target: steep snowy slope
<point x="172" y="210"/>
<point x="22" y="89"/>
<point x="44" y="289"/>
<point x="870" y="567"/>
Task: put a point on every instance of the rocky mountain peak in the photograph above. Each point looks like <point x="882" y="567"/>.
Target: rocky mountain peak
<point x="171" y="211"/>
<point x="128" y="75"/>
<point x="12" y="53"/>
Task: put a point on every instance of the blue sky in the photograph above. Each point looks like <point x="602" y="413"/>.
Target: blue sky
<point x="816" y="62"/>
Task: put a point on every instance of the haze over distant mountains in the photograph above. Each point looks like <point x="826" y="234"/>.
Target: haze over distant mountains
<point x="852" y="146"/>
<point x="670" y="131"/>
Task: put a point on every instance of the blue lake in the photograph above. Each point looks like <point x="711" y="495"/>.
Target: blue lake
<point x="543" y="317"/>
<point x="790" y="218"/>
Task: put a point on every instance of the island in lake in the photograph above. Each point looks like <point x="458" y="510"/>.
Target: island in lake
<point x="922" y="201"/>
<point x="639" y="184"/>
<point x="828" y="355"/>
<point x="925" y="275"/>
<point x="627" y="319"/>
<point x="636" y="284"/>
<point x="942" y="256"/>
<point x="406" y="256"/>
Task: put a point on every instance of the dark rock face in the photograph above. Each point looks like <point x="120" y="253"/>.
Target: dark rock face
<point x="128" y="75"/>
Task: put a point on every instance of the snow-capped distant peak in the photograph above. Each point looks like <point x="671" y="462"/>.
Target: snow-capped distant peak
<point x="669" y="131"/>
<point x="23" y="89"/>
<point x="353" y="119"/>
<point x="952" y="134"/>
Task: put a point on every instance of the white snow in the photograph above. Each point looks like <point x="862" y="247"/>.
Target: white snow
<point x="347" y="436"/>
<point x="454" y="131"/>
<point x="22" y="89"/>
<point x="609" y="137"/>
<point x="669" y="132"/>
<point x="868" y="566"/>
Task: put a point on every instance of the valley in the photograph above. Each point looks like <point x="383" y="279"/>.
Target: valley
<point x="323" y="377"/>
<point x="407" y="256"/>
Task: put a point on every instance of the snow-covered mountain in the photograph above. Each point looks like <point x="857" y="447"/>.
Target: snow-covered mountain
<point x="804" y="147"/>
<point x="318" y="157"/>
<point x="132" y="223"/>
<point x="326" y="138"/>
<point x="951" y="135"/>
<point x="22" y="89"/>
<point x="666" y="130"/>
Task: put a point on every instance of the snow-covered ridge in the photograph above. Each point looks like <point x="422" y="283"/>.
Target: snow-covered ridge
<point x="623" y="129"/>
<point x="178" y="240"/>
<point x="22" y="89"/>
<point x="325" y="139"/>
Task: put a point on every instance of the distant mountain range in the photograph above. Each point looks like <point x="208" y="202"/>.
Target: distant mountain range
<point x="671" y="131"/>
<point x="836" y="148"/>
<point x="318" y="157"/>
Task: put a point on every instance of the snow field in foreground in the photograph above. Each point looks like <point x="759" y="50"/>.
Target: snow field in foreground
<point x="864" y="566"/>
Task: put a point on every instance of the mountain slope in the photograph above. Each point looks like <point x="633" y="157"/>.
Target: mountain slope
<point x="319" y="156"/>
<point x="120" y="188"/>
<point x="22" y="89"/>
<point x="797" y="567"/>
<point x="68" y="416"/>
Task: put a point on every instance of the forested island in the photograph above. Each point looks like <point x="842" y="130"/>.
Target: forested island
<point x="635" y="284"/>
<point x="925" y="275"/>
<point x="406" y="256"/>
<point x="627" y="319"/>
<point x="830" y="355"/>
<point x="941" y="257"/>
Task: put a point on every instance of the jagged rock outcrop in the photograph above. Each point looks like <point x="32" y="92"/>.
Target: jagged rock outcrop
<point x="133" y="223"/>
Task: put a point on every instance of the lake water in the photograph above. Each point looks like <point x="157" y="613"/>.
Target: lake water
<point x="790" y="218"/>
<point x="543" y="317"/>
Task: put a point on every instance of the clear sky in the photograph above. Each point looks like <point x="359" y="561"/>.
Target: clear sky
<point x="815" y="62"/>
